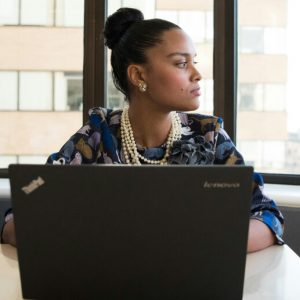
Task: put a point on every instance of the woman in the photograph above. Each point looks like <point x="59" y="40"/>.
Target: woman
<point x="153" y="65"/>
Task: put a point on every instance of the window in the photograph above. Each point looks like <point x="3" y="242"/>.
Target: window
<point x="45" y="91"/>
<point x="40" y="77"/>
<point x="36" y="12"/>
<point x="8" y="90"/>
<point x="5" y="160"/>
<point x="68" y="91"/>
<point x="267" y="40"/>
<point x="251" y="97"/>
<point x="35" y="91"/>
<point x="261" y="97"/>
<point x="66" y="13"/>
<point x="193" y="22"/>
<point x="69" y="13"/>
<point x="251" y="40"/>
<point x="268" y="83"/>
<point x="9" y="12"/>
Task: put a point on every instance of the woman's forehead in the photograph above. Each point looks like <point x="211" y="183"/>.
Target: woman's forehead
<point x="175" y="41"/>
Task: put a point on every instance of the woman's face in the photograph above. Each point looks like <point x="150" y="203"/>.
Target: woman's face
<point x="170" y="73"/>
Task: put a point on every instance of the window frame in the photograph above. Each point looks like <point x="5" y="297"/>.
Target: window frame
<point x="225" y="68"/>
<point x="94" y="56"/>
<point x="226" y="75"/>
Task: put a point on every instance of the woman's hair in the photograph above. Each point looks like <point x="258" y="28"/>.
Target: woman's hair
<point x="128" y="35"/>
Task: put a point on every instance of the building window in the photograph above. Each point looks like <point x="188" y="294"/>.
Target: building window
<point x="61" y="13"/>
<point x="251" y="40"/>
<point x="262" y="40"/>
<point x="6" y="160"/>
<point x="42" y="14"/>
<point x="40" y="77"/>
<point x="250" y="97"/>
<point x="35" y="91"/>
<point x="275" y="97"/>
<point x="68" y="91"/>
<point x="268" y="107"/>
<point x="262" y="97"/>
<point x="8" y="90"/>
<point x="45" y="91"/>
<point x="9" y="12"/>
<point x="169" y="15"/>
<point x="69" y="13"/>
<point x="193" y="22"/>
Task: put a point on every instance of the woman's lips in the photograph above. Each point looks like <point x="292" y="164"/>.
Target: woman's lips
<point x="196" y="92"/>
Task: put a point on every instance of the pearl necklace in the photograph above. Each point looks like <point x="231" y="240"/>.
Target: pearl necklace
<point x="132" y="156"/>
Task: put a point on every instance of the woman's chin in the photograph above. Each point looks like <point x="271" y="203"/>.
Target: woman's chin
<point x="193" y="105"/>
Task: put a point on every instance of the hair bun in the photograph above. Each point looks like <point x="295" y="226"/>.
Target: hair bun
<point x="117" y="24"/>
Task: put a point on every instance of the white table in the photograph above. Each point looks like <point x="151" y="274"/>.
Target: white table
<point x="273" y="273"/>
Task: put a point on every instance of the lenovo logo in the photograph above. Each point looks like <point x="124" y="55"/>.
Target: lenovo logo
<point x="221" y="185"/>
<point x="33" y="185"/>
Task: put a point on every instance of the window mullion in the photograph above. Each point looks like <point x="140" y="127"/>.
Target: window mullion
<point x="94" y="62"/>
<point x="225" y="63"/>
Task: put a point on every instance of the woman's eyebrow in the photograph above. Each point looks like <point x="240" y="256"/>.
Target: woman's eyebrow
<point x="185" y="54"/>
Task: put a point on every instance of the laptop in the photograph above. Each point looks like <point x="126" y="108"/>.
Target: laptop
<point x="126" y="232"/>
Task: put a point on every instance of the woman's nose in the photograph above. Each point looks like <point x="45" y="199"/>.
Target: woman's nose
<point x="196" y="76"/>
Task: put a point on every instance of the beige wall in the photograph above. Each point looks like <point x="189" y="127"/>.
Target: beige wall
<point x="184" y="5"/>
<point x="41" y="48"/>
<point x="260" y="125"/>
<point x="205" y="60"/>
<point x="31" y="133"/>
<point x="262" y="68"/>
<point x="258" y="12"/>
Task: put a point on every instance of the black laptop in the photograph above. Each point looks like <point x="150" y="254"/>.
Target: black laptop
<point x="124" y="232"/>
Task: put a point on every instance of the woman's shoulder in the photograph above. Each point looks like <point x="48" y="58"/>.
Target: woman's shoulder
<point x="204" y="122"/>
<point x="102" y="114"/>
<point x="103" y="111"/>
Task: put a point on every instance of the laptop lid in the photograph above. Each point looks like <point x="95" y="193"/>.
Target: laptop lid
<point x="125" y="232"/>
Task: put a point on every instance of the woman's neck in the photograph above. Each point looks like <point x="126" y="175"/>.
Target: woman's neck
<point x="150" y="127"/>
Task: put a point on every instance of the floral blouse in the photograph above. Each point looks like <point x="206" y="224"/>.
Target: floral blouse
<point x="203" y="141"/>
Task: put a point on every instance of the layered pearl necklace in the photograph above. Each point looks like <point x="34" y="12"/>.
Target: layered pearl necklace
<point x="132" y="156"/>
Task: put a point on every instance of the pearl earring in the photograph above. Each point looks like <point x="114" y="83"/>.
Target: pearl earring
<point x="142" y="86"/>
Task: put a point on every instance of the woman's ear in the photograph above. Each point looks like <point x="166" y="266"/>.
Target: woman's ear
<point x="135" y="74"/>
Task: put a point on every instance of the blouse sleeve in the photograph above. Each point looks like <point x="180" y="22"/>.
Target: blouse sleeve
<point x="93" y="143"/>
<point x="79" y="149"/>
<point x="263" y="208"/>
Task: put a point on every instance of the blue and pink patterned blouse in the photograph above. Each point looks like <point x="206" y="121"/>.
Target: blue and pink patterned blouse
<point x="203" y="141"/>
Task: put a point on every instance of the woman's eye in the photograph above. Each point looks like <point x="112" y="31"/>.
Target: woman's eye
<point x="182" y="64"/>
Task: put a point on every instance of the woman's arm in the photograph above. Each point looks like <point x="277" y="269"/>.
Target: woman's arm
<point x="266" y="221"/>
<point x="8" y="233"/>
<point x="260" y="236"/>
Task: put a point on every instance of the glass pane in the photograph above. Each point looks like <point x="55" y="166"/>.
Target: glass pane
<point x="193" y="22"/>
<point x="196" y="18"/>
<point x="68" y="91"/>
<point x="268" y="129"/>
<point x="69" y="13"/>
<point x="9" y="12"/>
<point x="32" y="159"/>
<point x="37" y="12"/>
<point x="251" y="40"/>
<point x="40" y="78"/>
<point x="35" y="91"/>
<point x="8" y="90"/>
<point x="5" y="160"/>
